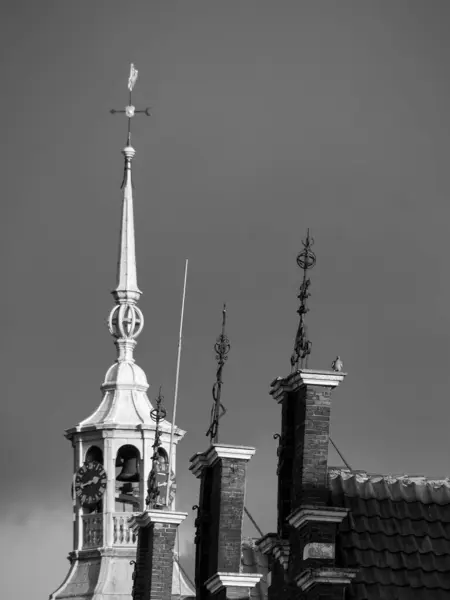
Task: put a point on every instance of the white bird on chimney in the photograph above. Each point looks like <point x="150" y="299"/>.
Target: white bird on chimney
<point x="337" y="364"/>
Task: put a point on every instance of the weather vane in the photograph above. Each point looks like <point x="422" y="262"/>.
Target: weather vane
<point x="221" y="347"/>
<point x="302" y="347"/>
<point x="130" y="110"/>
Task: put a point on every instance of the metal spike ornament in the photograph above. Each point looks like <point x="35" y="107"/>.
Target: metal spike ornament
<point x="157" y="480"/>
<point x="221" y="347"/>
<point x="302" y="347"/>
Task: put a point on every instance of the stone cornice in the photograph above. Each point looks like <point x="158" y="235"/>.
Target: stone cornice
<point x="223" y="580"/>
<point x="114" y="430"/>
<point x="324" y="514"/>
<point x="283" y="385"/>
<point x="198" y="462"/>
<point x="324" y="575"/>
<point x="271" y="544"/>
<point x="215" y="452"/>
<point x="90" y="553"/>
<point x="112" y="387"/>
<point x="155" y="516"/>
<point x="267" y="543"/>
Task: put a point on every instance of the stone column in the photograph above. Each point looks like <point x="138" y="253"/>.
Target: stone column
<point x="109" y="499"/>
<point x="156" y="531"/>
<point x="77" y="508"/>
<point x="222" y="471"/>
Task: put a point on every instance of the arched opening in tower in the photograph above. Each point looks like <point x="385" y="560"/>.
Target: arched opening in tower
<point x="127" y="479"/>
<point x="94" y="454"/>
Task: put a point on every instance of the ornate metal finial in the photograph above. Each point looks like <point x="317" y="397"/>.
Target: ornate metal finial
<point x="130" y="110"/>
<point x="126" y="320"/>
<point x="158" y="479"/>
<point x="157" y="415"/>
<point x="302" y="347"/>
<point x="221" y="347"/>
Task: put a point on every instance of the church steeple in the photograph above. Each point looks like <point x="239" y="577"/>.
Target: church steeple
<point x="113" y="448"/>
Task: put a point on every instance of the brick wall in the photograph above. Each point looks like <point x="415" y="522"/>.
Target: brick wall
<point x="312" y="431"/>
<point x="232" y="493"/>
<point x="154" y="562"/>
<point x="141" y="584"/>
<point x="206" y="545"/>
<point x="221" y="515"/>
<point x="232" y="593"/>
<point x="305" y="399"/>
<point x="285" y="462"/>
<point x="280" y="589"/>
<point x="220" y="518"/>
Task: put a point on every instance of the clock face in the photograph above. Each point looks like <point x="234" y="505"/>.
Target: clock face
<point x="90" y="483"/>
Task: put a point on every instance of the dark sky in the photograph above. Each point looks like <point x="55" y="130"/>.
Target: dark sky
<point x="268" y="118"/>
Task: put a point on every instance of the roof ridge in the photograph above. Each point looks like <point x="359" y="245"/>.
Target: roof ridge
<point x="391" y="476"/>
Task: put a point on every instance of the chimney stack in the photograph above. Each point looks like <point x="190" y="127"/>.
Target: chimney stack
<point x="218" y="572"/>
<point x="303" y="549"/>
<point x="156" y="531"/>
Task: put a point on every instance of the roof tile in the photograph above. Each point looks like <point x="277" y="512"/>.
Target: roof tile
<point x="397" y="532"/>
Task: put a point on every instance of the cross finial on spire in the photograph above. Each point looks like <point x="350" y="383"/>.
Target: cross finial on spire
<point x="126" y="319"/>
<point x="222" y="347"/>
<point x="130" y="110"/>
<point x="302" y="347"/>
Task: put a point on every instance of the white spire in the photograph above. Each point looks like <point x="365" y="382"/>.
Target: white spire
<point x="126" y="320"/>
<point x="127" y="289"/>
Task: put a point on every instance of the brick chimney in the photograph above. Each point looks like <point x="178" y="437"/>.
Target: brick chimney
<point x="303" y="549"/>
<point x="222" y="472"/>
<point x="156" y="531"/>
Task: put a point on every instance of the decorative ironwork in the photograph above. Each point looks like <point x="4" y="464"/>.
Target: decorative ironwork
<point x="221" y="347"/>
<point x="302" y="347"/>
<point x="280" y="448"/>
<point x="157" y="415"/>
<point x="133" y="577"/>
<point x="130" y="110"/>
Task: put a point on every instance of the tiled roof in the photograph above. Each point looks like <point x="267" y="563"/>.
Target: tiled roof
<point x="397" y="532"/>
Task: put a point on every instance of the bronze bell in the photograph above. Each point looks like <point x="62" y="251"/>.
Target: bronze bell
<point x="130" y="469"/>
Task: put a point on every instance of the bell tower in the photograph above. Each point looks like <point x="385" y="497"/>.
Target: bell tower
<point x="114" y="448"/>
